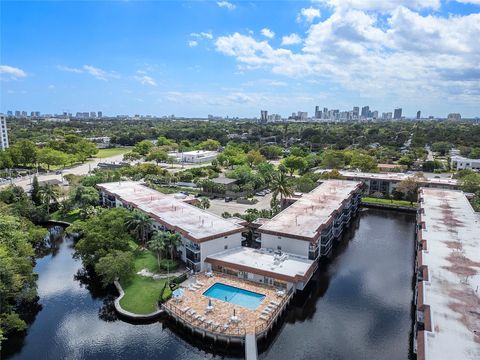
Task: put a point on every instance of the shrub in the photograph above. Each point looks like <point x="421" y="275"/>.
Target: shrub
<point x="168" y="264"/>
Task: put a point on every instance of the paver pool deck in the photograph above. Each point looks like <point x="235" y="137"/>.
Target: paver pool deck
<point x="223" y="311"/>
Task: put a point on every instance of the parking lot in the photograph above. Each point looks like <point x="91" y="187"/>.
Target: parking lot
<point x="219" y="206"/>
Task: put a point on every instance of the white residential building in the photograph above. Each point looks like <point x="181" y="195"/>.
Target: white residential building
<point x="194" y="157"/>
<point x="458" y="162"/>
<point x="3" y="133"/>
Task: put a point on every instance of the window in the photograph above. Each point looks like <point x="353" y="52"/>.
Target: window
<point x="279" y="248"/>
<point x="225" y="247"/>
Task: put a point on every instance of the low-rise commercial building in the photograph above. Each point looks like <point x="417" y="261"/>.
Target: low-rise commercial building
<point x="458" y="162"/>
<point x="447" y="299"/>
<point x="194" y="157"/>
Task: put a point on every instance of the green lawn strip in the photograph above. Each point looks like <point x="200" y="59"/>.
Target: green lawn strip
<point x="373" y="200"/>
<point x="141" y="294"/>
<point x="104" y="153"/>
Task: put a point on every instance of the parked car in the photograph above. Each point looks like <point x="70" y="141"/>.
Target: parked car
<point x="228" y="199"/>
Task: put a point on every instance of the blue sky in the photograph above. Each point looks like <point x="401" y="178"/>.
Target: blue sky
<point x="235" y="58"/>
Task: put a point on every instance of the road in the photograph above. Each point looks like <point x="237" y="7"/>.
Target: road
<point x="82" y="169"/>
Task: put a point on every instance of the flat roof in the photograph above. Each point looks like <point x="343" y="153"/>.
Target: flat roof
<point x="260" y="261"/>
<point x="224" y="180"/>
<point x="306" y="215"/>
<point x="396" y="177"/>
<point x="194" y="223"/>
<point x="452" y="256"/>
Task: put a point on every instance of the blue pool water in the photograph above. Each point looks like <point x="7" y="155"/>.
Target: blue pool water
<point x="234" y="295"/>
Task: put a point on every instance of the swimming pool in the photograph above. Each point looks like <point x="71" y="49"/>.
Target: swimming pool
<point x="234" y="295"/>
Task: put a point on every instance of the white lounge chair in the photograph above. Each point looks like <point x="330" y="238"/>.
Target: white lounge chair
<point x="274" y="303"/>
<point x="196" y="286"/>
<point x="225" y="327"/>
<point x="215" y="325"/>
<point x="200" y="283"/>
<point x="185" y="309"/>
<point x="263" y="317"/>
<point x="209" y="322"/>
<point x="191" y="288"/>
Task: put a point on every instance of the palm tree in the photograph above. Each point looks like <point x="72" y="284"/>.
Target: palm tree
<point x="158" y="244"/>
<point x="140" y="224"/>
<point x="280" y="185"/>
<point x="49" y="193"/>
<point x="173" y="240"/>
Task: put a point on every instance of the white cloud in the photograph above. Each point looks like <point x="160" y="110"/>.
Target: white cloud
<point x="474" y="2"/>
<point x="268" y="33"/>
<point x="291" y="39"/>
<point x="203" y="34"/>
<point x="407" y="55"/>
<point x="226" y="4"/>
<point x="13" y="72"/>
<point x="381" y="5"/>
<point x="144" y="79"/>
<point x="91" y="70"/>
<point x="192" y="43"/>
<point x="96" y="72"/>
<point x="309" y="14"/>
<point x="69" y="69"/>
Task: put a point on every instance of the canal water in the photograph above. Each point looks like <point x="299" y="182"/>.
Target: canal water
<point x="357" y="307"/>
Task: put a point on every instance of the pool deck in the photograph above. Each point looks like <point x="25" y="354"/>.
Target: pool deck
<point x="249" y="322"/>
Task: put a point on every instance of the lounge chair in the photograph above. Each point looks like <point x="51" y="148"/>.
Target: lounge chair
<point x="196" y="286"/>
<point x="209" y="323"/>
<point x="196" y="317"/>
<point x="225" y="327"/>
<point x="201" y="319"/>
<point x="200" y="283"/>
<point x="185" y="309"/>
<point x="263" y="317"/>
<point x="215" y="325"/>
<point x="191" y="288"/>
<point x="274" y="303"/>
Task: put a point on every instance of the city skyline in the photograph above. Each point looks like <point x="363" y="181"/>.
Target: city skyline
<point x="238" y="57"/>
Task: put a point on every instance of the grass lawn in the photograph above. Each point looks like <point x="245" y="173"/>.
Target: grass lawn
<point x="373" y="200"/>
<point x="70" y="217"/>
<point x="104" y="153"/>
<point x="141" y="293"/>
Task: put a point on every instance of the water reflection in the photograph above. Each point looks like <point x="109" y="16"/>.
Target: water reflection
<point x="357" y="307"/>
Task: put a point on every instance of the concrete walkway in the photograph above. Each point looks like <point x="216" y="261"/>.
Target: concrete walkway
<point x="156" y="276"/>
<point x="251" y="352"/>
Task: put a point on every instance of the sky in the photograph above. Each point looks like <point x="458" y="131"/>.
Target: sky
<point x="234" y="58"/>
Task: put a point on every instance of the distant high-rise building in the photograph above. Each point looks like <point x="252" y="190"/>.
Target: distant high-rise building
<point x="100" y="114"/>
<point x="263" y="116"/>
<point x="387" y="116"/>
<point x="3" y="133"/>
<point x="419" y="114"/>
<point x="375" y="114"/>
<point x="356" y="111"/>
<point x="318" y="113"/>
<point x="24" y="114"/>
<point x="365" y="112"/>
<point x="454" y="117"/>
<point x="18" y="113"/>
<point x="397" y="114"/>
<point x="93" y="114"/>
<point x="302" y="115"/>
<point x="9" y="113"/>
